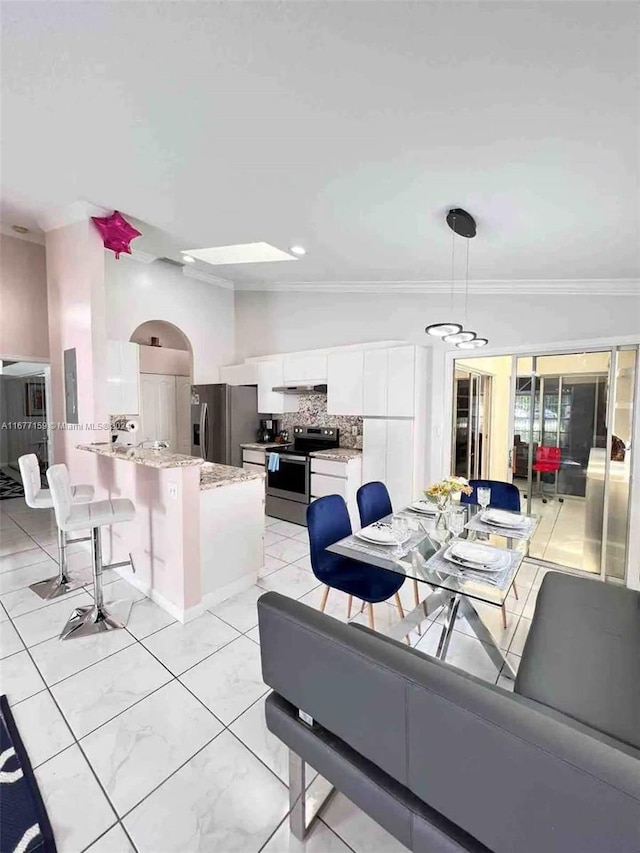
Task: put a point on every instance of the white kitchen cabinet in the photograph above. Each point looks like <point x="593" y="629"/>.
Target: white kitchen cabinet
<point x="299" y="367"/>
<point x="388" y="456"/>
<point x="254" y="461"/>
<point x="376" y="382"/>
<point x="123" y="372"/>
<point x="240" y="374"/>
<point x="345" y="376"/>
<point x="401" y="379"/>
<point x="330" y="477"/>
<point x="271" y="375"/>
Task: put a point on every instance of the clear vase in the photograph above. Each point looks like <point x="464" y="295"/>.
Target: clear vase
<point x="443" y="505"/>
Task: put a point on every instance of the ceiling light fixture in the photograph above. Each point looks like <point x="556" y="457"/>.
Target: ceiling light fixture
<point x="459" y="337"/>
<point x="188" y="259"/>
<point x="462" y="223"/>
<point x="298" y="250"/>
<point x="476" y="343"/>
<point x="20" y="229"/>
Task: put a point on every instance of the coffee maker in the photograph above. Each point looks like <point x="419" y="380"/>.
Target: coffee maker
<point x="269" y="429"/>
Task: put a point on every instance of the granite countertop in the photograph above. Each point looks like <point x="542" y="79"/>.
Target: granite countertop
<point x="272" y="445"/>
<point x="142" y="455"/>
<point x="212" y="476"/>
<point x="338" y="454"/>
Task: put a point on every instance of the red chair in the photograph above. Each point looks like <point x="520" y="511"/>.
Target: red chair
<point x="547" y="462"/>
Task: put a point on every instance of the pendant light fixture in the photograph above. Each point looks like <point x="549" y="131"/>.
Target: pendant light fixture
<point x="462" y="223"/>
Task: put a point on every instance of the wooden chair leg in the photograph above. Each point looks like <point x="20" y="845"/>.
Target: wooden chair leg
<point x="349" y="605"/>
<point x="323" y="603"/>
<point x="416" y="598"/>
<point x="515" y="591"/>
<point x="504" y="617"/>
<point x="372" y="623"/>
<point x="399" y="606"/>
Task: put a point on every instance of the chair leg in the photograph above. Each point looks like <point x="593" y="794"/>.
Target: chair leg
<point x="61" y="583"/>
<point x="399" y="606"/>
<point x="349" y="605"/>
<point x="416" y="598"/>
<point x="372" y="623"/>
<point x="323" y="603"/>
<point x="96" y="618"/>
<point x="504" y="617"/>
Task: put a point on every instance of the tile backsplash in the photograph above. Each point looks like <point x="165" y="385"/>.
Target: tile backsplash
<point x="312" y="411"/>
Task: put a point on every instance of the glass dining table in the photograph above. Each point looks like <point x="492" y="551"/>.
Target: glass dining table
<point x="448" y="586"/>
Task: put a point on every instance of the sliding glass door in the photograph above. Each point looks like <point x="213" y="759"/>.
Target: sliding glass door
<point x="471" y="423"/>
<point x="567" y="435"/>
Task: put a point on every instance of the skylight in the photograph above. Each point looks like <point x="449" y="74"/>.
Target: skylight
<point x="241" y="253"/>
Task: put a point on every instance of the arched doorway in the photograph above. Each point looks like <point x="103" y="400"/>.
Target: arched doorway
<point x="166" y="370"/>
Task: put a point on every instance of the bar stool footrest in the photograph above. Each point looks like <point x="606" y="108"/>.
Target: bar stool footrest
<point x="90" y="620"/>
<point x="55" y="587"/>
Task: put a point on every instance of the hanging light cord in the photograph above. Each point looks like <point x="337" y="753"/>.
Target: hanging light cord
<point x="453" y="255"/>
<point x="466" y="289"/>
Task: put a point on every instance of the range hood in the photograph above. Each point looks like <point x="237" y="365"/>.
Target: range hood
<point x="302" y="388"/>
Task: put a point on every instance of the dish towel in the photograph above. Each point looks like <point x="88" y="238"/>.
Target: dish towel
<point x="274" y="462"/>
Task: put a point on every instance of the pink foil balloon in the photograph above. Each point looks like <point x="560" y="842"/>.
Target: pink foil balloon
<point x="116" y="232"/>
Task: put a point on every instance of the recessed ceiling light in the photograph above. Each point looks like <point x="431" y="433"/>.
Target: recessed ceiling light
<point x="298" y="250"/>
<point x="241" y="253"/>
<point x="188" y="259"/>
<point x="20" y="229"/>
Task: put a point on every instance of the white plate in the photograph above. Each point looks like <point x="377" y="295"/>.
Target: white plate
<point x="478" y="567"/>
<point x="504" y="519"/>
<point x="425" y="507"/>
<point x="380" y="535"/>
<point x="473" y="552"/>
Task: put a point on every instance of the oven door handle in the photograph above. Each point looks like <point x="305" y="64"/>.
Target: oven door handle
<point x="293" y="460"/>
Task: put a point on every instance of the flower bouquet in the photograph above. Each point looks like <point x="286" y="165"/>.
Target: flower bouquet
<point x="442" y="492"/>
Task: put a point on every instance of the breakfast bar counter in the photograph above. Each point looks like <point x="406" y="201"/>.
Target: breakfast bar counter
<point x="198" y="534"/>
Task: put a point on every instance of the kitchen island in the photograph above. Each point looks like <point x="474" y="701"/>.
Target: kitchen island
<point x="198" y="534"/>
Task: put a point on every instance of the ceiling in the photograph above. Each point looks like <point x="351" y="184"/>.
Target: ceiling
<point x="347" y="127"/>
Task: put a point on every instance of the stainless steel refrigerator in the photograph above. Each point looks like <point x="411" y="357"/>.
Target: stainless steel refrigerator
<point x="222" y="418"/>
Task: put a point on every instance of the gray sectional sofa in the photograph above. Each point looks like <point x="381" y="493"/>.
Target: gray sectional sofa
<point x="447" y="762"/>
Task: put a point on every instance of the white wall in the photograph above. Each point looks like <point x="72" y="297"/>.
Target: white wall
<point x="24" y="332"/>
<point x="138" y="293"/>
<point x="269" y="322"/>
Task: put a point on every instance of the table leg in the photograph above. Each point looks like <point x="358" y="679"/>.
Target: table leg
<point x="426" y="608"/>
<point x="484" y="634"/>
<point x="447" y="630"/>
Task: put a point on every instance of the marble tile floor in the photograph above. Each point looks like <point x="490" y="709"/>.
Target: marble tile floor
<point x="153" y="739"/>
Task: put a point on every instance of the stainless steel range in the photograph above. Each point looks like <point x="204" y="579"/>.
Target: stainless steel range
<point x="289" y="485"/>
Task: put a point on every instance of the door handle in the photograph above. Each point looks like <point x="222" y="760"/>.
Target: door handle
<point x="203" y="434"/>
<point x="510" y="462"/>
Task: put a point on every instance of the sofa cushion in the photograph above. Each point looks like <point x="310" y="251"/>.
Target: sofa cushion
<point x="582" y="655"/>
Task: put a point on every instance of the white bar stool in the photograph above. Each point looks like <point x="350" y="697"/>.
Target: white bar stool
<point x="38" y="498"/>
<point x="94" y="619"/>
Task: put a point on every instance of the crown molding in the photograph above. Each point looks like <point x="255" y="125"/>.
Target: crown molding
<point x="78" y="211"/>
<point x="142" y="257"/>
<point x="199" y="275"/>
<point x="535" y="287"/>
<point x="31" y="237"/>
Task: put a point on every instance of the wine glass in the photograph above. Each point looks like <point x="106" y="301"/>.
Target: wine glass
<point x="484" y="496"/>
<point x="456" y="521"/>
<point x="400" y="529"/>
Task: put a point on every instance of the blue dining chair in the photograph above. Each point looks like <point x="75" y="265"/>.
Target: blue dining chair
<point x="503" y="496"/>
<point x="374" y="503"/>
<point x="328" y="522"/>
